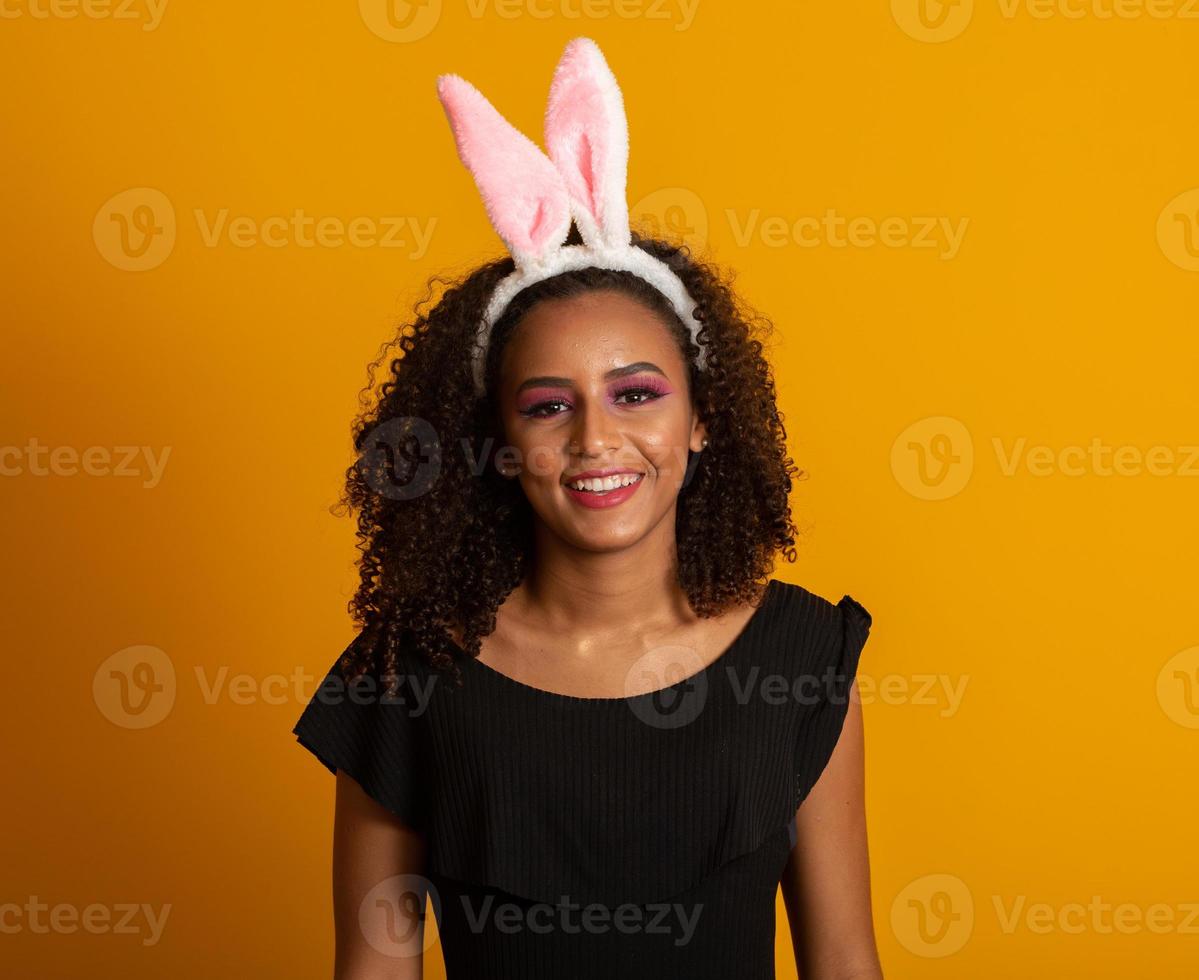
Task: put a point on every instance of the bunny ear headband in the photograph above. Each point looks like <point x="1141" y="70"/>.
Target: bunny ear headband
<point x="531" y="198"/>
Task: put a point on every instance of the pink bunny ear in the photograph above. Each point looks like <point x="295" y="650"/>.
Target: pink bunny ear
<point x="587" y="136"/>
<point x="523" y="193"/>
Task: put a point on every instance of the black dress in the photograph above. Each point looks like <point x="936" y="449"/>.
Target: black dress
<point x="572" y="837"/>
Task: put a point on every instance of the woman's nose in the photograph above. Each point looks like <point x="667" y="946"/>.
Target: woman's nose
<point x="594" y="431"/>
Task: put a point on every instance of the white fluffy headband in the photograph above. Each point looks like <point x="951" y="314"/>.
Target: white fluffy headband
<point x="531" y="198"/>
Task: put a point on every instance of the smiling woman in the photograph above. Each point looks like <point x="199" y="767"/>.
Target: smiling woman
<point x="570" y="656"/>
<point x="587" y="372"/>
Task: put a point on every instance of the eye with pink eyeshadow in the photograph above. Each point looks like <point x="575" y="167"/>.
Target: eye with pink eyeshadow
<point x="534" y="404"/>
<point x="648" y="387"/>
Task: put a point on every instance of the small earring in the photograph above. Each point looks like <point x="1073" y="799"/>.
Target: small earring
<point x="704" y="444"/>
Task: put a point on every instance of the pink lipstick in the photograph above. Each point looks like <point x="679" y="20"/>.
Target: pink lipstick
<point x="597" y="499"/>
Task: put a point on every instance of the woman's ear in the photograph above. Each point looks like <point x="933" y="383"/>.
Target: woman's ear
<point x="699" y="435"/>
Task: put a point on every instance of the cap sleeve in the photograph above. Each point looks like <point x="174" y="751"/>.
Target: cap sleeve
<point x="841" y="632"/>
<point x="371" y="735"/>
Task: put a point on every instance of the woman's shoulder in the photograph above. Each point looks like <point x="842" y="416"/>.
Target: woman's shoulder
<point x="816" y="626"/>
<point x="799" y="599"/>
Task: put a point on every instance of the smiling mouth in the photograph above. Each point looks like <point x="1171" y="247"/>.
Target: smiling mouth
<point x="607" y="484"/>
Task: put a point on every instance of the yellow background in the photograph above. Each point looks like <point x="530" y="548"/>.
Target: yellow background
<point x="1057" y="595"/>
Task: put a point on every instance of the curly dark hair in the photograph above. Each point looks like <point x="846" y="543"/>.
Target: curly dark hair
<point x="444" y="538"/>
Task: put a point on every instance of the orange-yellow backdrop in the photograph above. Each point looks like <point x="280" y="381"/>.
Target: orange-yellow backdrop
<point x="976" y="227"/>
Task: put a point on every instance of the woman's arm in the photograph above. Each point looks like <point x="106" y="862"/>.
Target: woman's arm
<point x="826" y="882"/>
<point x="384" y="940"/>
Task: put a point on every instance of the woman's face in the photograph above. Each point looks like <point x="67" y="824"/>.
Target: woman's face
<point x="596" y="382"/>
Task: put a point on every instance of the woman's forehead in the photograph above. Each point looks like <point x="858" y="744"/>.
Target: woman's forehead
<point x="592" y="332"/>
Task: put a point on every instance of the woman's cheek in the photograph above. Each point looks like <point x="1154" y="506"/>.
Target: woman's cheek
<point x="543" y="461"/>
<point x="668" y="456"/>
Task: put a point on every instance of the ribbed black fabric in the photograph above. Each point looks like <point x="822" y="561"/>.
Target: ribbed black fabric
<point x="676" y="808"/>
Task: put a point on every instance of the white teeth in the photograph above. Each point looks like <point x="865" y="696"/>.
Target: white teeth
<point x="600" y="485"/>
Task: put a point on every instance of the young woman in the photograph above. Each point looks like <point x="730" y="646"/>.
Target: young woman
<point x="580" y="723"/>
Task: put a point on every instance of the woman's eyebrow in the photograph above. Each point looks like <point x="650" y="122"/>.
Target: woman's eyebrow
<point x="553" y="381"/>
